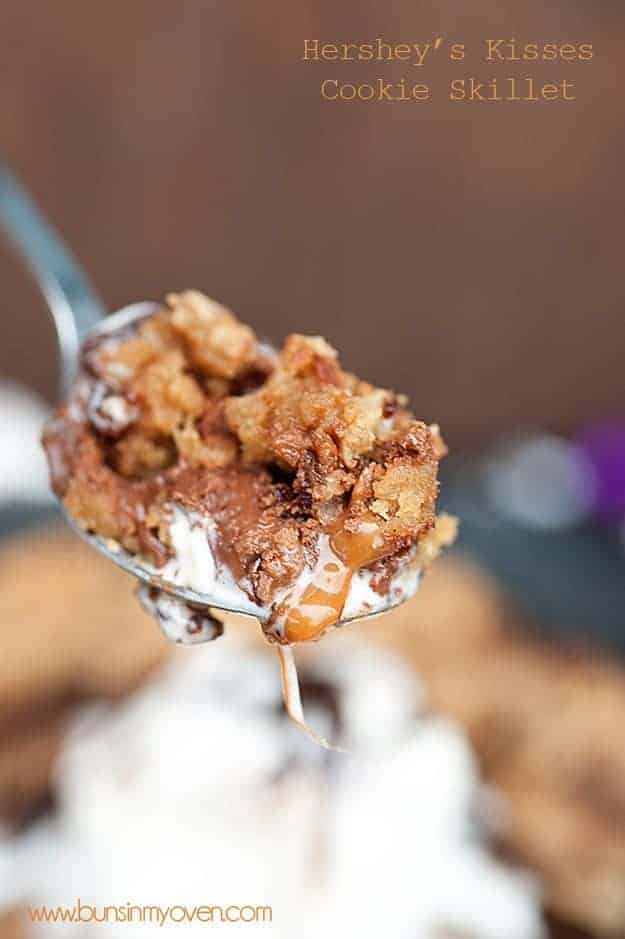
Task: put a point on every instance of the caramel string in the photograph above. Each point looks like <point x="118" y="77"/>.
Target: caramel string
<point x="292" y="697"/>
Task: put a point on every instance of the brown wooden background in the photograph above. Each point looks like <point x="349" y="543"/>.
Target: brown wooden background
<point x="471" y="255"/>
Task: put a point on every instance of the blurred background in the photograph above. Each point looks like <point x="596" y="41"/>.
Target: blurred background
<point x="187" y="144"/>
<point x="468" y="255"/>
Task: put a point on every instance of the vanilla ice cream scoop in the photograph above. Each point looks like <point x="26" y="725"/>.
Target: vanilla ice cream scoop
<point x="197" y="790"/>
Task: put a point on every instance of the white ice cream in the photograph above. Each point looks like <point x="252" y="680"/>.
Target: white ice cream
<point x="23" y="469"/>
<point x="179" y="622"/>
<point x="195" y="566"/>
<point x="197" y="791"/>
<point x="362" y="600"/>
<point x="118" y="409"/>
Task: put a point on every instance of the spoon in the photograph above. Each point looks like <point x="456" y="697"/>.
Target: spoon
<point x="79" y="314"/>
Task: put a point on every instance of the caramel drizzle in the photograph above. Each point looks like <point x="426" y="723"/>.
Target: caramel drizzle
<point x="292" y="697"/>
<point x="310" y="608"/>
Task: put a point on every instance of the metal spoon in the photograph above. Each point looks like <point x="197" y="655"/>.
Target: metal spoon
<point x="78" y="313"/>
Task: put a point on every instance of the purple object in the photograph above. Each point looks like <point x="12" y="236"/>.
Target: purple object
<point x="602" y="445"/>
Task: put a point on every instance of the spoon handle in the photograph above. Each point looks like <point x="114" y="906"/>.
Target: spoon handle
<point x="72" y="301"/>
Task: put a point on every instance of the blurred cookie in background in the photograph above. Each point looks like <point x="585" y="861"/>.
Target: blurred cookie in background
<point x="72" y="632"/>
<point x="12" y="925"/>
<point x="544" y="719"/>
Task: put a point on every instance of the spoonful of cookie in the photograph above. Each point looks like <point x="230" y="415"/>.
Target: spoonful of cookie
<point x="227" y="475"/>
